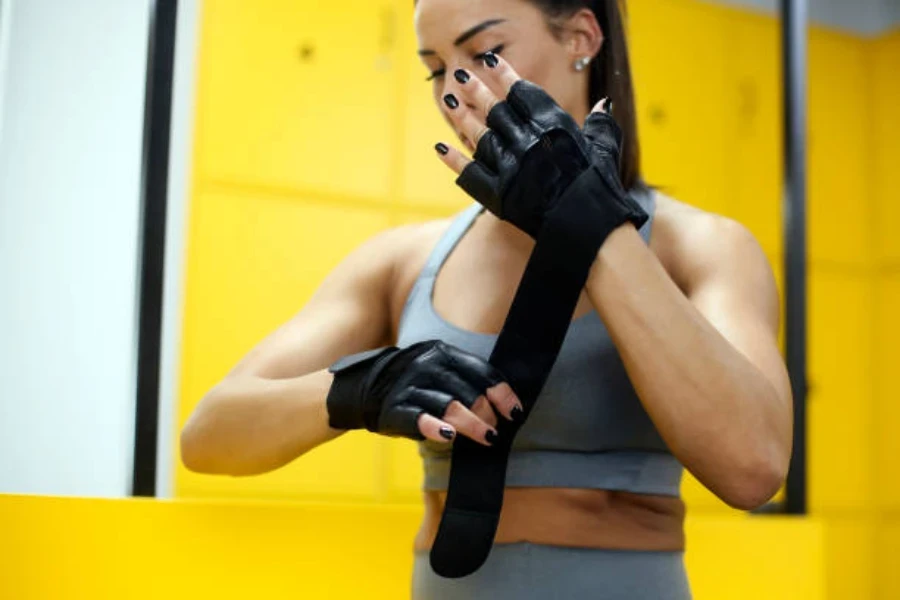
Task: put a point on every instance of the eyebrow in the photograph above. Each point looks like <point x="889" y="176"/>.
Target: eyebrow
<point x="468" y="34"/>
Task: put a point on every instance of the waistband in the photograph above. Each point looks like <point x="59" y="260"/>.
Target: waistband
<point x="637" y="472"/>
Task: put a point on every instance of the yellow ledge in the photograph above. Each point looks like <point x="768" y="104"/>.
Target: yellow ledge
<point x="75" y="548"/>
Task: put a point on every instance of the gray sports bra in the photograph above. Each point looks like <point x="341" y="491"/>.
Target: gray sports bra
<point x="588" y="429"/>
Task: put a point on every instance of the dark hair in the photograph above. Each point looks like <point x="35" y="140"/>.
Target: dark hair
<point x="610" y="72"/>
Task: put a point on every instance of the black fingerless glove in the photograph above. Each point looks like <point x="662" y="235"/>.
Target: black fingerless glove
<point x="388" y="389"/>
<point x="535" y="166"/>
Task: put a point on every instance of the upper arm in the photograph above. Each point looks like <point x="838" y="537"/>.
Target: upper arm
<point x="348" y="313"/>
<point x="731" y="283"/>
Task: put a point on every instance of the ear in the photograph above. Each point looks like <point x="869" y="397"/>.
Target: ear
<point x="584" y="36"/>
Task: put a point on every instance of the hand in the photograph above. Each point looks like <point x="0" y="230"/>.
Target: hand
<point x="429" y="390"/>
<point x="531" y="157"/>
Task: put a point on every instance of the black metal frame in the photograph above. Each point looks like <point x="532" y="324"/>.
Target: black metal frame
<point x="154" y="198"/>
<point x="794" y="39"/>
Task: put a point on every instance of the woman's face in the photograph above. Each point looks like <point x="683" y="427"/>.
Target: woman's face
<point x="456" y="33"/>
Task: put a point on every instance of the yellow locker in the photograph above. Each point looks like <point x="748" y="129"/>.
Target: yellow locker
<point x="840" y="191"/>
<point x="840" y="444"/>
<point x="888" y="559"/>
<point x="253" y="262"/>
<point x="886" y="143"/>
<point x="754" y="146"/>
<point x="887" y="391"/>
<point x="297" y="95"/>
<point x="678" y="53"/>
<point x="850" y="557"/>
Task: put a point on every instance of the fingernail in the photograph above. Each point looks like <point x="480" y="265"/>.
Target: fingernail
<point x="446" y="433"/>
<point x="490" y="436"/>
<point x="451" y="101"/>
<point x="441" y="148"/>
<point x="517" y="414"/>
<point x="461" y="75"/>
<point x="490" y="59"/>
<point x="609" y="106"/>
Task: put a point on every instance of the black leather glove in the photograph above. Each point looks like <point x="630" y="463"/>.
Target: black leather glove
<point x="386" y="390"/>
<point x="536" y="165"/>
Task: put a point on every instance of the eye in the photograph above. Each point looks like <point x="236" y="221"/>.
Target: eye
<point x="496" y="50"/>
<point x="436" y="74"/>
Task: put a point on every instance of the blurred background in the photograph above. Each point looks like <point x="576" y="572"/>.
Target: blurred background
<point x="173" y="189"/>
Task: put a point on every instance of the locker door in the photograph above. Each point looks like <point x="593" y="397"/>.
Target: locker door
<point x="297" y="95"/>
<point x="754" y="147"/>
<point x="678" y="53"/>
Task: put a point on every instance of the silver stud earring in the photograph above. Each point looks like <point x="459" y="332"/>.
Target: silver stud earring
<point x="582" y="62"/>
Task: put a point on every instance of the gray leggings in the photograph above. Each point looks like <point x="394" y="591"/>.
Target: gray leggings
<point x="527" y="571"/>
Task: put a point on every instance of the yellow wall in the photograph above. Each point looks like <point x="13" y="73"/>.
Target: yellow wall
<point x="288" y="97"/>
<point x="138" y="549"/>
<point x="885" y="159"/>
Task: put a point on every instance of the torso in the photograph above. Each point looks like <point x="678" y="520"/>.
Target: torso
<point x="473" y="291"/>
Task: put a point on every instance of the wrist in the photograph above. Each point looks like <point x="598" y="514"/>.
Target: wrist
<point x="616" y="248"/>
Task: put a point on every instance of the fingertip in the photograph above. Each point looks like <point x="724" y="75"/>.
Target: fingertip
<point x="600" y="107"/>
<point x="501" y="72"/>
<point x="436" y="430"/>
<point x="505" y="400"/>
<point x="451" y="157"/>
<point x="447" y="433"/>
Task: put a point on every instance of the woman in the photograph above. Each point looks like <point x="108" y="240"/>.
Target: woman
<point x="671" y="359"/>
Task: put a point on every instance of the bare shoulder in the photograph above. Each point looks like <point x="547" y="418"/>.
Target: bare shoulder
<point x="407" y="247"/>
<point x="390" y="251"/>
<point x="695" y="245"/>
<point x="405" y="244"/>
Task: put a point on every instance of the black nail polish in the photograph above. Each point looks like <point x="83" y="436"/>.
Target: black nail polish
<point x="490" y="59"/>
<point x="461" y="75"/>
<point x="609" y="106"/>
<point x="446" y="433"/>
<point x="441" y="148"/>
<point x="451" y="101"/>
<point x="490" y="436"/>
<point x="518" y="415"/>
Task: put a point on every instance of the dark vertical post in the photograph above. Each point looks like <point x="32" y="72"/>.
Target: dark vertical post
<point x="794" y="40"/>
<point x="154" y="188"/>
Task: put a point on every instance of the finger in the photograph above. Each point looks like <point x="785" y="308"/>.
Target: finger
<point x="474" y="93"/>
<point x="452" y="157"/>
<point x="506" y="402"/>
<point x="483" y="410"/>
<point x="464" y="119"/>
<point x="484" y="376"/>
<point x="499" y="75"/>
<point x="435" y="429"/>
<point x="453" y="384"/>
<point x="469" y="424"/>
<point x="601" y="129"/>
<point x="604" y="106"/>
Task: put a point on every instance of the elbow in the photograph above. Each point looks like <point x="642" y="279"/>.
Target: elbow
<point x="194" y="454"/>
<point x="754" y="483"/>
<point x="198" y="440"/>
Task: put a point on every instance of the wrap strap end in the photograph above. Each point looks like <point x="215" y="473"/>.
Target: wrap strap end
<point x="346" y="398"/>
<point x="453" y="555"/>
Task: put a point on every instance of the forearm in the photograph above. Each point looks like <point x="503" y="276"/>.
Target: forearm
<point x="248" y="425"/>
<point x="716" y="411"/>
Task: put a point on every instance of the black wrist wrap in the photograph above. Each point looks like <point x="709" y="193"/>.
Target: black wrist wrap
<point x="525" y="352"/>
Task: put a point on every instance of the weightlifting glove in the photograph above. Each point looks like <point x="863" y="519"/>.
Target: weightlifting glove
<point x="536" y="165"/>
<point x="388" y="389"/>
